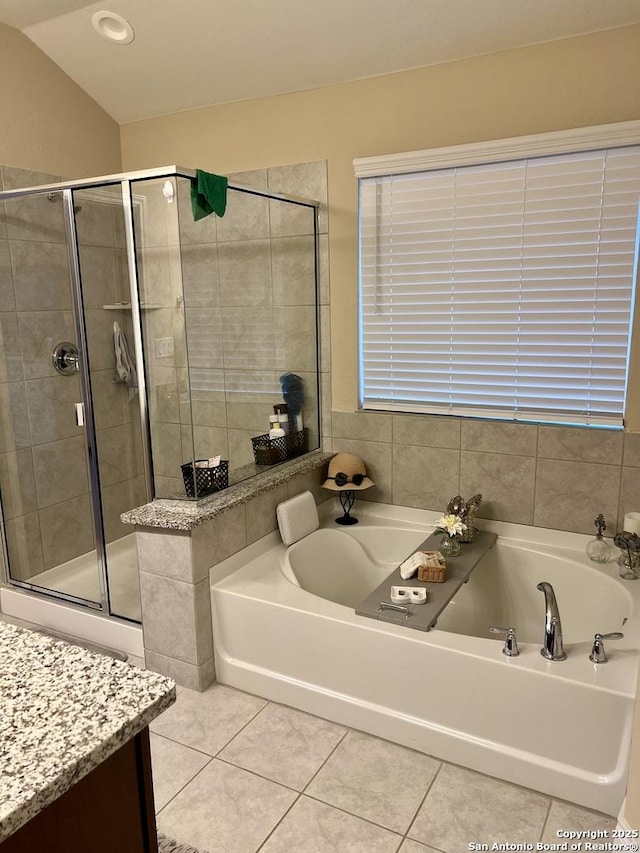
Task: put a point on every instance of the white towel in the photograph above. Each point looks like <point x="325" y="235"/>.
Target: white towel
<point x="125" y="371"/>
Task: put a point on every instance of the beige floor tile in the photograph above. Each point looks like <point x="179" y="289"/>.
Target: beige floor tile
<point x="376" y="780"/>
<point x="284" y="745"/>
<point x="174" y="765"/>
<point x="225" y="810"/>
<point x="207" y="721"/>
<point x="313" y="827"/>
<point x="567" y="816"/>
<point x="464" y="807"/>
<point x="409" y="846"/>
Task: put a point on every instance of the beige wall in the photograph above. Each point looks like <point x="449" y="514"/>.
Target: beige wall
<point x="47" y="122"/>
<point x="576" y="82"/>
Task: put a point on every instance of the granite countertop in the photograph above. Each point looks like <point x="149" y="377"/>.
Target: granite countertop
<point x="185" y="515"/>
<point x="63" y="711"/>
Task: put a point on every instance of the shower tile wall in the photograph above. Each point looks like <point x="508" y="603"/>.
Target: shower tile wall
<point x="43" y="471"/>
<point x="248" y="300"/>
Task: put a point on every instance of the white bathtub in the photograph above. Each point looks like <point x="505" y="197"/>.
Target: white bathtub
<point x="285" y="628"/>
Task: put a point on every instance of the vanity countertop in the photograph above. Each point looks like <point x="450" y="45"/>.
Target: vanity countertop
<point x="63" y="711"/>
<point x="185" y="515"/>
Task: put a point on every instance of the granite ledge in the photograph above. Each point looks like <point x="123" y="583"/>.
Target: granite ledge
<point x="185" y="515"/>
<point x="64" y="711"/>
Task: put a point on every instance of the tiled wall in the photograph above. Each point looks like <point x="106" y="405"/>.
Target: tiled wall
<point x="549" y="476"/>
<point x="43" y="469"/>
<point x="248" y="315"/>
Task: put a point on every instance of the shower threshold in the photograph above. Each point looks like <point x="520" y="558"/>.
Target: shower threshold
<point x="78" y="577"/>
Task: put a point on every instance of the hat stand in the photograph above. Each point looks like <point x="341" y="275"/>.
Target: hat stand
<point x="347" y="500"/>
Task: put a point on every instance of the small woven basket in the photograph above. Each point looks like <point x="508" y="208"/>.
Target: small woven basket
<point x="429" y="573"/>
<point x="207" y="480"/>
<point x="434" y="569"/>
<point x="269" y="451"/>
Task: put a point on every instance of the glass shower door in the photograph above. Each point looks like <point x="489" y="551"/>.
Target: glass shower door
<point x="45" y="482"/>
<point x="113" y="382"/>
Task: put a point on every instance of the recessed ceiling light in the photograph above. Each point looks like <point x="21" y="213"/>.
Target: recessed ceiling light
<point x="113" y="27"/>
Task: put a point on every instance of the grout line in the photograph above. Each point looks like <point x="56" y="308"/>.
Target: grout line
<point x="422" y="802"/>
<point x="186" y="784"/>
<point x="546" y="819"/>
<point x="278" y="823"/>
<point x="326" y="759"/>
<point x="619" y="509"/>
<point x="353" y="814"/>
<point x="535" y="476"/>
<point x="185" y="745"/>
<point x="233" y="737"/>
<point x="256" y="774"/>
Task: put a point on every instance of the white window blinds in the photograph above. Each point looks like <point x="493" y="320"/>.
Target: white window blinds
<point x="502" y="289"/>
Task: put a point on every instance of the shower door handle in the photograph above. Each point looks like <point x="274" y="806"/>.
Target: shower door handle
<point x="80" y="414"/>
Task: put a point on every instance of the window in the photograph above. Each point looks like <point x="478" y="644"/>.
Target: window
<point x="501" y="286"/>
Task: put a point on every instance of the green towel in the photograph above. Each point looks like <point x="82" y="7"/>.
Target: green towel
<point x="208" y="194"/>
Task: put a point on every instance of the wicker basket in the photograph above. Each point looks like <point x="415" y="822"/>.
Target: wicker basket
<point x="269" y="451"/>
<point x="428" y="573"/>
<point x="435" y="568"/>
<point x="207" y="480"/>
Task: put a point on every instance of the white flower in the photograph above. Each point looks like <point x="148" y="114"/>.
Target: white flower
<point x="451" y="524"/>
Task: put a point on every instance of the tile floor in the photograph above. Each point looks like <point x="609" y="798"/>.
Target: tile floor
<point x="234" y="773"/>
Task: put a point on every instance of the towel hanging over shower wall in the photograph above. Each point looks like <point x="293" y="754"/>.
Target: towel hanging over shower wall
<point x="208" y="194"/>
<point x="125" y="370"/>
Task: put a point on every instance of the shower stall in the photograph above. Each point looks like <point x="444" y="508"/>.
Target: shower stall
<point x="135" y="341"/>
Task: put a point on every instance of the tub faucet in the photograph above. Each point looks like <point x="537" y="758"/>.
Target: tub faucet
<point x="552" y="648"/>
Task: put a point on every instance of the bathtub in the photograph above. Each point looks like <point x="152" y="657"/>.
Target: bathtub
<point x="285" y="628"/>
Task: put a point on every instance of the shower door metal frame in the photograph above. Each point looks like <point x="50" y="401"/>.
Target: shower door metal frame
<point x="87" y="397"/>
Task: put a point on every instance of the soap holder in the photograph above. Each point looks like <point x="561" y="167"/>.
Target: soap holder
<point x="408" y="595"/>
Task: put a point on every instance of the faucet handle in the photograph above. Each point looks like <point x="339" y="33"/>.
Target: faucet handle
<point x="510" y="644"/>
<point x="598" y="654"/>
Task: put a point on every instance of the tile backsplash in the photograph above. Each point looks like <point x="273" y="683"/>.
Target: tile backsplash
<point x="549" y="476"/>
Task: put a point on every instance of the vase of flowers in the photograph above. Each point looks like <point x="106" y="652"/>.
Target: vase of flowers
<point x="629" y="560"/>
<point x="450" y="527"/>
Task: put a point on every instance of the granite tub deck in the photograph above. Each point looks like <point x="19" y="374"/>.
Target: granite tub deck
<point x="63" y="711"/>
<point x="185" y="515"/>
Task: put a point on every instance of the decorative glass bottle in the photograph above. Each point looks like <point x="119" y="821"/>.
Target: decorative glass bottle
<point x="598" y="549"/>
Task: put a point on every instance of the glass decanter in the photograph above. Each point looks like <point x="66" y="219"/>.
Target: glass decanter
<point x="598" y="549"/>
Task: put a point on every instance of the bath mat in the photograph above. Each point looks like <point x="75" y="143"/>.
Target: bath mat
<point x="168" y="845"/>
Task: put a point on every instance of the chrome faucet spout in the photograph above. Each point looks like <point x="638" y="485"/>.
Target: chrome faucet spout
<point x="552" y="647"/>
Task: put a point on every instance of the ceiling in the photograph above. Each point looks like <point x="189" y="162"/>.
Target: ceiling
<point x="194" y="53"/>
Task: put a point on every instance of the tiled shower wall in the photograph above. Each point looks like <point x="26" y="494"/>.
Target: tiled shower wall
<point x="549" y="476"/>
<point x="247" y="315"/>
<point x="43" y="468"/>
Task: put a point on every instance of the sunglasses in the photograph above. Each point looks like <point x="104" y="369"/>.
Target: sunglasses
<point x="341" y="479"/>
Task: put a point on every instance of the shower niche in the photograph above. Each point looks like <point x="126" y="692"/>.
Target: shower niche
<point x="138" y="345"/>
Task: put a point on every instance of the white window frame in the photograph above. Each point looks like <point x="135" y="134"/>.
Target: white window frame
<point x="575" y="140"/>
